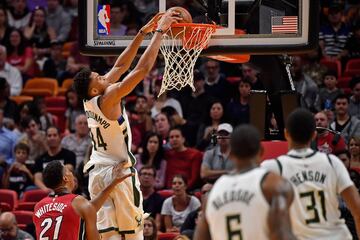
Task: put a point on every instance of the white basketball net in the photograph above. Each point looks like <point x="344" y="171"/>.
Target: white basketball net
<point x="181" y="47"/>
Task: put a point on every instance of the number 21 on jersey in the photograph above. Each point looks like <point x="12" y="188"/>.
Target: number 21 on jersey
<point x="49" y="223"/>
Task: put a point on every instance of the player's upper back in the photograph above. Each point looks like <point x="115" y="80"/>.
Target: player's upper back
<point x="317" y="179"/>
<point x="55" y="218"/>
<point x="236" y="207"/>
<point x="111" y="138"/>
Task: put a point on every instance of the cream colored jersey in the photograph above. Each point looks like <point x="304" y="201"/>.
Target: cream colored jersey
<point x="318" y="179"/>
<point x="236" y="207"/>
<point x="111" y="139"/>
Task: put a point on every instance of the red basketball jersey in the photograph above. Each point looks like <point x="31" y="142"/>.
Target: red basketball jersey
<point x="56" y="219"/>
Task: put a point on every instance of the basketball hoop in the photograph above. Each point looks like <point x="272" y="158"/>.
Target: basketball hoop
<point x="181" y="46"/>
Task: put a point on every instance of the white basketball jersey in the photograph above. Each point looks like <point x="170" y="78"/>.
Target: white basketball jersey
<point x="111" y="138"/>
<point x="236" y="207"/>
<point x="318" y="179"/>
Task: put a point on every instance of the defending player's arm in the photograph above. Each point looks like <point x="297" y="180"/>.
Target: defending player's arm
<point x="116" y="92"/>
<point x="124" y="61"/>
<point x="88" y="213"/>
<point x="118" y="177"/>
<point x="279" y="194"/>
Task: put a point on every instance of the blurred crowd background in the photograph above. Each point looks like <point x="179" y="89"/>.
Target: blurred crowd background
<point x="42" y="119"/>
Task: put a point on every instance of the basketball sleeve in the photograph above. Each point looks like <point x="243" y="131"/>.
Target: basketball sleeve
<point x="272" y="166"/>
<point x="343" y="179"/>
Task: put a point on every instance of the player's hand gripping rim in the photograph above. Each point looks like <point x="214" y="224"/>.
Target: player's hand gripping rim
<point x="167" y="19"/>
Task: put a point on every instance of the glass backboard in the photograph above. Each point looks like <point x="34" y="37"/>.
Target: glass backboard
<point x="245" y="26"/>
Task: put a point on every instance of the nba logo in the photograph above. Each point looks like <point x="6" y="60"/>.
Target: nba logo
<point x="103" y="20"/>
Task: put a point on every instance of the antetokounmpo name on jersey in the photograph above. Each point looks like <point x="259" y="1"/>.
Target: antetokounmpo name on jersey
<point x="59" y="207"/>
<point x="308" y="176"/>
<point x="98" y="118"/>
<point x="239" y="195"/>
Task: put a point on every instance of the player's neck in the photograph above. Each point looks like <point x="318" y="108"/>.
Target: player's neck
<point x="243" y="166"/>
<point x="61" y="190"/>
<point x="297" y="146"/>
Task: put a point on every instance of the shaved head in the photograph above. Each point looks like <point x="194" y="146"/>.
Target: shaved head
<point x="7" y="218"/>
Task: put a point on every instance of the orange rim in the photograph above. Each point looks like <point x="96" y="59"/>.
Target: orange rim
<point x="193" y="25"/>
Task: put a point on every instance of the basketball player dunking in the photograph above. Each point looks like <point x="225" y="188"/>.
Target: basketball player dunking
<point x="122" y="214"/>
<point x="251" y="203"/>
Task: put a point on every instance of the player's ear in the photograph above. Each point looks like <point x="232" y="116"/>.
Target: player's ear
<point x="259" y="155"/>
<point x="287" y="135"/>
<point x="93" y="91"/>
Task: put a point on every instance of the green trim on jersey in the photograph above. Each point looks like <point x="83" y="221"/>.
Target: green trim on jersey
<point x="135" y="190"/>
<point x="117" y="230"/>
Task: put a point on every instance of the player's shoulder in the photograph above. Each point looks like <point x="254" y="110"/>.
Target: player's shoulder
<point x="81" y="204"/>
<point x="273" y="165"/>
<point x="334" y="160"/>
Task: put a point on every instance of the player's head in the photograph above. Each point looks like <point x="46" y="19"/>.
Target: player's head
<point x="300" y="127"/>
<point x="89" y="84"/>
<point x="245" y="144"/>
<point x="56" y="175"/>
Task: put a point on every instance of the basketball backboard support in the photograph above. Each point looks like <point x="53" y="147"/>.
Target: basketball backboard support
<point x="271" y="26"/>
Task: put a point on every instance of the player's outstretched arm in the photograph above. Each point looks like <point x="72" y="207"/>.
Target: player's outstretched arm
<point x="352" y="200"/>
<point x="279" y="194"/>
<point x="87" y="212"/>
<point x="116" y="92"/>
<point x="118" y="177"/>
<point x="125" y="59"/>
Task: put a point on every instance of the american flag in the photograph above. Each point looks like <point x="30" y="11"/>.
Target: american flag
<point x="284" y="24"/>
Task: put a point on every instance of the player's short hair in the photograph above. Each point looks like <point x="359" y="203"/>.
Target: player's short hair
<point x="81" y="83"/>
<point x="53" y="174"/>
<point x="301" y="126"/>
<point x="245" y="142"/>
<point x="22" y="146"/>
